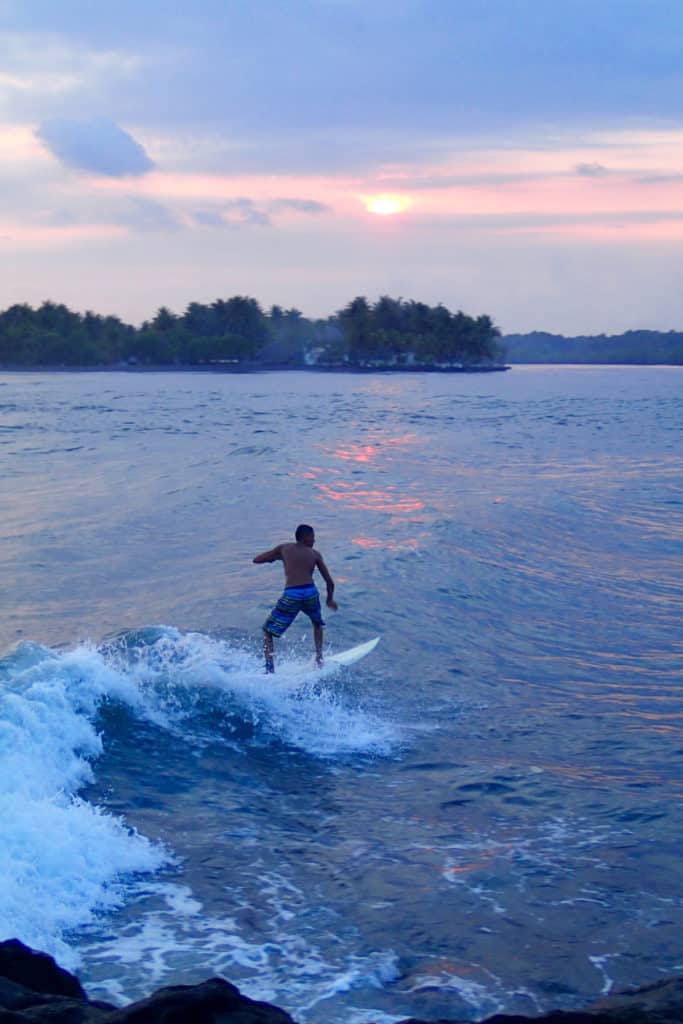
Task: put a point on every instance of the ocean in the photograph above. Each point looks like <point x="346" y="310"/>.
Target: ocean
<point x="484" y="815"/>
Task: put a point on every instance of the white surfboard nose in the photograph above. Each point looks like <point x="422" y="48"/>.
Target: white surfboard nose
<point x="353" y="654"/>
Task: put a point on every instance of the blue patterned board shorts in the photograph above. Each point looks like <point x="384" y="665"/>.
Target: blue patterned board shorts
<point x="294" y="600"/>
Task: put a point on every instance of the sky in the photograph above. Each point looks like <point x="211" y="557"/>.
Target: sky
<point x="516" y="158"/>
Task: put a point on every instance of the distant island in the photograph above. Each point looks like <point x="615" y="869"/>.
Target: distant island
<point x="236" y="333"/>
<point x="635" y="347"/>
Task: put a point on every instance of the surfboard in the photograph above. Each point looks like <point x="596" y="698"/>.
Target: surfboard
<point x="352" y="655"/>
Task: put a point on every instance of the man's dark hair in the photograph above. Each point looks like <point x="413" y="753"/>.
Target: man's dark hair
<point x="303" y="531"/>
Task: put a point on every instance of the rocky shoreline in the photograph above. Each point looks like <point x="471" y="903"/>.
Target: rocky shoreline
<point x="34" y="989"/>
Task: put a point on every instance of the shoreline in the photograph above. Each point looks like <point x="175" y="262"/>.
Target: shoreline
<point x="344" y="370"/>
<point x="34" y="988"/>
<point x="252" y="368"/>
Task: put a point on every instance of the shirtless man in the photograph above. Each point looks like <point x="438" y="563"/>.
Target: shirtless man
<point x="300" y="593"/>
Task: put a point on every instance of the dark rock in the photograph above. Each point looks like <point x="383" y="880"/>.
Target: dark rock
<point x="554" y="1017"/>
<point x="659" y="1003"/>
<point x="212" y="1002"/>
<point x="36" y="971"/>
<point x="18" y="997"/>
<point x="58" y="1011"/>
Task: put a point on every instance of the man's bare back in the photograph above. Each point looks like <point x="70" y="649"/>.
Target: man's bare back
<point x="299" y="563"/>
<point x="300" y="560"/>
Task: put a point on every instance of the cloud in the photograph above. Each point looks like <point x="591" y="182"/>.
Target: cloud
<point x="246" y="212"/>
<point x="232" y="214"/>
<point x="48" y="74"/>
<point x="136" y="214"/>
<point x="142" y="214"/>
<point x="242" y="210"/>
<point x="448" y="181"/>
<point x="591" y="170"/>
<point x="97" y="145"/>
<point x="299" y="205"/>
<point x="522" y="221"/>
<point x="660" y="179"/>
<point x="208" y="219"/>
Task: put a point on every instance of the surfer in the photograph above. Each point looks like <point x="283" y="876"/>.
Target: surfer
<point x="300" y="594"/>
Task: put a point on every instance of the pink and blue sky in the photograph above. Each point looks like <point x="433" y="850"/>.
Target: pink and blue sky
<point x="521" y="158"/>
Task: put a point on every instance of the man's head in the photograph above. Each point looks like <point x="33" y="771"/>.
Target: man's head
<point x="305" y="535"/>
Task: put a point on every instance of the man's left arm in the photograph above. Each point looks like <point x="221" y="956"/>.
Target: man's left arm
<point x="324" y="572"/>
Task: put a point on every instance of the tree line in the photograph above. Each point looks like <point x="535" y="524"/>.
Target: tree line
<point x="388" y="332"/>
<point x="632" y="347"/>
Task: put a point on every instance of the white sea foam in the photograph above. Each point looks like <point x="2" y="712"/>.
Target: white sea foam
<point x="61" y="859"/>
<point x="175" y="937"/>
<point x="356" y="1015"/>
<point x="176" y="674"/>
<point x="600" y="963"/>
<point x="475" y="994"/>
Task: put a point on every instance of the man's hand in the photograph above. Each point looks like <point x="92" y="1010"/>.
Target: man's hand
<point x="331" y="603"/>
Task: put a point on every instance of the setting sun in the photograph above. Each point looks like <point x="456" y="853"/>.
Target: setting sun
<point x="386" y="205"/>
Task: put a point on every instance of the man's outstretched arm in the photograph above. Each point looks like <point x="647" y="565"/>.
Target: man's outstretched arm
<point x="274" y="555"/>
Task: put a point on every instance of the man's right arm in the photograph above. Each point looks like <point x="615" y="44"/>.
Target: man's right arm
<point x="274" y="555"/>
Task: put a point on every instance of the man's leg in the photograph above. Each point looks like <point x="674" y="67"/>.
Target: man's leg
<point x="318" y="639"/>
<point x="268" y="651"/>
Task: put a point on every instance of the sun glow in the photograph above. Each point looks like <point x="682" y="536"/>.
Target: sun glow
<point x="386" y="205"/>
